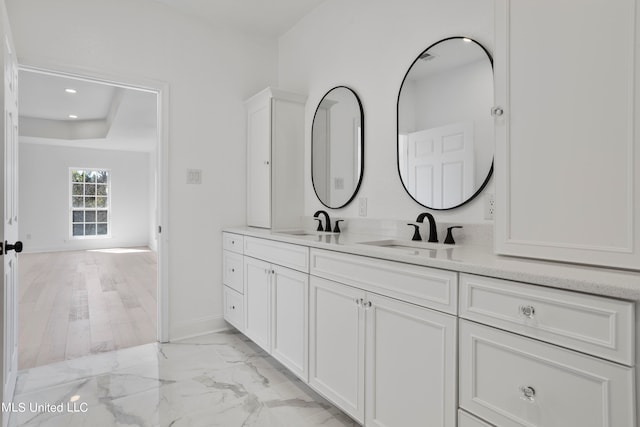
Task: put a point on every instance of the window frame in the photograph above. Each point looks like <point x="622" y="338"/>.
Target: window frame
<point x="84" y="209"/>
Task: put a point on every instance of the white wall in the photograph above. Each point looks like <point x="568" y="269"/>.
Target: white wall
<point x="370" y="46"/>
<point x="44" y="197"/>
<point x="210" y="71"/>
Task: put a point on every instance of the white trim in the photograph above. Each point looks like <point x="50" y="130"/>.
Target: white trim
<point x="161" y="89"/>
<point x="198" y="327"/>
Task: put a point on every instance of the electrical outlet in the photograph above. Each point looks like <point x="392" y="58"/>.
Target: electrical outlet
<point x="489" y="206"/>
<point x="362" y="206"/>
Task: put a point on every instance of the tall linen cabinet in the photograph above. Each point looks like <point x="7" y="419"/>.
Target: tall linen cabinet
<point x="568" y="140"/>
<point x="275" y="159"/>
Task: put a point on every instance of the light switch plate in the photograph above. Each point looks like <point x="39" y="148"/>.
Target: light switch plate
<point x="194" y="176"/>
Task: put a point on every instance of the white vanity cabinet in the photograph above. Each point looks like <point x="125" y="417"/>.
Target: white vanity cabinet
<point x="398" y="344"/>
<point x="384" y="361"/>
<point x="567" y="162"/>
<point x="538" y="379"/>
<point x="275" y="159"/>
<point x="276" y="288"/>
<point x="232" y="279"/>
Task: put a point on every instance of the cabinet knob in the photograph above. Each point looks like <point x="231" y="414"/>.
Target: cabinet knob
<point x="233" y="307"/>
<point x="266" y="162"/>
<point x="528" y="393"/>
<point x="233" y="270"/>
<point x="527" y="311"/>
<point x="497" y="111"/>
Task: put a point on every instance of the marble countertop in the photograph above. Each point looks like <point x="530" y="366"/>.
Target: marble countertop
<point x="479" y="260"/>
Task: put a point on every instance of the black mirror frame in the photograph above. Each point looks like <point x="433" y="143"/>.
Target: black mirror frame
<point x="489" y="174"/>
<point x="355" y="191"/>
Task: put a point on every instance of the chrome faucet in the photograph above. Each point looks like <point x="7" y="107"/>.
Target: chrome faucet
<point x="327" y="227"/>
<point x="433" y="232"/>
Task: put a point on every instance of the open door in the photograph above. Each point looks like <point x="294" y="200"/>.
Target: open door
<point x="9" y="224"/>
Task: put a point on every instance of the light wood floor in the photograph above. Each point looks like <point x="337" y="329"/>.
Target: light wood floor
<point x="72" y="304"/>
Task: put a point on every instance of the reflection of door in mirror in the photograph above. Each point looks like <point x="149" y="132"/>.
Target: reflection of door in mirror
<point x="441" y="159"/>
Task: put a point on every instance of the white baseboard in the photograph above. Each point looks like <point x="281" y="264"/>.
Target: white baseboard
<point x="196" y="327"/>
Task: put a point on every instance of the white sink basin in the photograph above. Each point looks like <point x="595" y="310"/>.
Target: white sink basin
<point x="406" y="244"/>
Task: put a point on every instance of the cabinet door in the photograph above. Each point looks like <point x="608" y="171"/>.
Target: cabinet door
<point x="257" y="301"/>
<point x="336" y="344"/>
<point x="411" y="365"/>
<point x="289" y="339"/>
<point x="259" y="164"/>
<point x="568" y="144"/>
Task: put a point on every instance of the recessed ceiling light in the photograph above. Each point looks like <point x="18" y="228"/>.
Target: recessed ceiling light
<point x="70" y="90"/>
<point x="73" y="116"/>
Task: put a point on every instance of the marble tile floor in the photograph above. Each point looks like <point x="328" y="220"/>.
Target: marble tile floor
<point x="221" y="379"/>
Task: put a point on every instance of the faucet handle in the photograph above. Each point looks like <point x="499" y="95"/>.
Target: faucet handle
<point x="319" y="224"/>
<point x="449" y="239"/>
<point x="416" y="232"/>
<point x="336" y="229"/>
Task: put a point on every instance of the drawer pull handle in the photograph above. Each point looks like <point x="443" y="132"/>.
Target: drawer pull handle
<point x="527" y="311"/>
<point x="528" y="393"/>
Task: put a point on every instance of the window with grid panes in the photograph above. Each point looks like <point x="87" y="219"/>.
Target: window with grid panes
<point x="90" y="203"/>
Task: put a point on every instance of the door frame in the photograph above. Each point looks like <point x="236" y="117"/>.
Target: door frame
<point x="161" y="89"/>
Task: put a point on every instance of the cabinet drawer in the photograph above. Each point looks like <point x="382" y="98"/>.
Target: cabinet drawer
<point x="284" y="254"/>
<point x="467" y="420"/>
<point x="234" y="308"/>
<point x="428" y="287"/>
<point x="232" y="242"/>
<point x="232" y="270"/>
<point x="511" y="380"/>
<point x="596" y="325"/>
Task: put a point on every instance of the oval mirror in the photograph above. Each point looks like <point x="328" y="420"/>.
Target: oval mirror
<point x="337" y="147"/>
<point x="445" y="126"/>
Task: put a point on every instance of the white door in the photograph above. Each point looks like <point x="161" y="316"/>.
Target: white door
<point x="440" y="165"/>
<point x="257" y="301"/>
<point x="9" y="227"/>
<point x="336" y="344"/>
<point x="411" y="365"/>
<point x="290" y="297"/>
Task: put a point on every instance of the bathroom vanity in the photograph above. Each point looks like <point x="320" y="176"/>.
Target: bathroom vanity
<point x="399" y="334"/>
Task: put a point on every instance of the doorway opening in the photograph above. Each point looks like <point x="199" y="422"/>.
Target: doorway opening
<point x="90" y="180"/>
